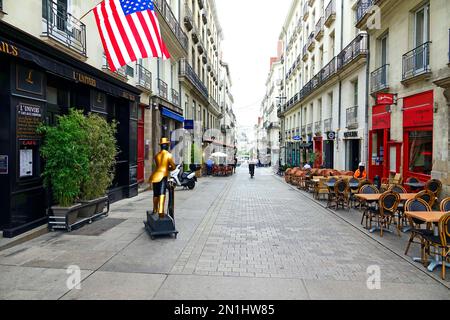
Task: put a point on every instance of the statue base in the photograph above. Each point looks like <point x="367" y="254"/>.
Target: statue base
<point x="157" y="226"/>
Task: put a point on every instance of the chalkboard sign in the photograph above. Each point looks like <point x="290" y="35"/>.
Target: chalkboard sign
<point x="27" y="120"/>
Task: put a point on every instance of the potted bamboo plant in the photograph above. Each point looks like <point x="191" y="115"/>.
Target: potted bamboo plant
<point x="102" y="149"/>
<point x="66" y="161"/>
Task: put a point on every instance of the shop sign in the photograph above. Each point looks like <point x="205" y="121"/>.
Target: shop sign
<point x="83" y="78"/>
<point x="9" y="49"/>
<point x="351" y="134"/>
<point x="28" y="118"/>
<point x="386" y="98"/>
<point x="296" y="138"/>
<point x="3" y="164"/>
<point x="189" y="124"/>
<point x="331" y="135"/>
<point x="418" y="110"/>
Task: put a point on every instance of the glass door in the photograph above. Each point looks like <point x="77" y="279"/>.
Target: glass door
<point x="421" y="36"/>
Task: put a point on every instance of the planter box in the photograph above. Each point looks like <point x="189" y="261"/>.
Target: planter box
<point x="71" y="212"/>
<point x="92" y="207"/>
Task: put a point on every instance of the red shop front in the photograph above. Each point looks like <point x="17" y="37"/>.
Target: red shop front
<point x="318" y="142"/>
<point x="418" y="136"/>
<point x="385" y="155"/>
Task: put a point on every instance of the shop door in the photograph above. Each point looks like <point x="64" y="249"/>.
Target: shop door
<point x="318" y="151"/>
<point x="140" y="147"/>
<point x="353" y="154"/>
<point x="328" y="150"/>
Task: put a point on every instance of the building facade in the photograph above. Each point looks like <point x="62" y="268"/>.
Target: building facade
<point x="325" y="103"/>
<point x="410" y="45"/>
<point x="54" y="62"/>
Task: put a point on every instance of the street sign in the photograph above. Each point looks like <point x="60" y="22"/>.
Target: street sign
<point x="296" y="138"/>
<point x="386" y="99"/>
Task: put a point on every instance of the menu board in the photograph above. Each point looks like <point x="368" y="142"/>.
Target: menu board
<point x="26" y="163"/>
<point x="28" y="118"/>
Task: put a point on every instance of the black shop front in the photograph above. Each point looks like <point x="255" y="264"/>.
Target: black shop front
<point x="37" y="83"/>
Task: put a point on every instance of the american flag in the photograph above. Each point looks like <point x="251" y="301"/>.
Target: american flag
<point x="129" y="30"/>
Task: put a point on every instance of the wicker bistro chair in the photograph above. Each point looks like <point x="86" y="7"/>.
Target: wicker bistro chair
<point x="393" y="180"/>
<point x="342" y="194"/>
<point x="367" y="208"/>
<point x="387" y="207"/>
<point x="321" y="189"/>
<point x="434" y="186"/>
<point x="428" y="196"/>
<point x="445" y="205"/>
<point x="417" y="204"/>
<point x="331" y="193"/>
<point x="439" y="243"/>
<point x="353" y="191"/>
<point x="398" y="189"/>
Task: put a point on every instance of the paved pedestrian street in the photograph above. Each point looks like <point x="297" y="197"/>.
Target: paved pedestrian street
<point x="239" y="239"/>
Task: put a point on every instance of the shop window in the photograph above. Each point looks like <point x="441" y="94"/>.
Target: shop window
<point x="420" y="152"/>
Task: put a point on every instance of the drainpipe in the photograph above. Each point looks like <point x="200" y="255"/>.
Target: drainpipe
<point x="366" y="130"/>
<point x="340" y="81"/>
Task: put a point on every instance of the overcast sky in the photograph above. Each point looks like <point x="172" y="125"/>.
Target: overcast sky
<point x="251" y="29"/>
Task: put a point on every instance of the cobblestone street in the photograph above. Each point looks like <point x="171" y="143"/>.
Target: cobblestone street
<point x="239" y="239"/>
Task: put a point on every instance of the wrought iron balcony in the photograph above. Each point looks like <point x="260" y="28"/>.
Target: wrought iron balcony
<point x="351" y="52"/>
<point x="188" y="18"/>
<point x="362" y="8"/>
<point x="327" y="125"/>
<point x="330" y="13"/>
<point x="162" y="89"/>
<point x="189" y="73"/>
<point x="305" y="11"/>
<point x="416" y="62"/>
<point x="319" y="29"/>
<point x="166" y="12"/>
<point x="120" y="73"/>
<point x="144" y="78"/>
<point x="305" y="52"/>
<point x="379" y="79"/>
<point x="311" y="43"/>
<point x="64" y="28"/>
<point x="175" y="97"/>
<point x="214" y="105"/>
<point x="328" y="70"/>
<point x="352" y="118"/>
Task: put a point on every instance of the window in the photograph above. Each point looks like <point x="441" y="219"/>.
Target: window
<point x="384" y="50"/>
<point x="420" y="145"/>
<point x="129" y="71"/>
<point x="421" y="25"/>
<point x="355" y="92"/>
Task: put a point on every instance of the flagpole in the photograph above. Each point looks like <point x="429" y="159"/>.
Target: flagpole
<point x="84" y="15"/>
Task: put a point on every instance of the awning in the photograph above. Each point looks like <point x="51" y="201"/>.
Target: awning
<point x="172" y="115"/>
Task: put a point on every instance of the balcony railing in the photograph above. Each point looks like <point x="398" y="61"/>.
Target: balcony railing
<point x="379" y="79"/>
<point x="120" y="72"/>
<point x="318" y="127"/>
<point x="356" y="48"/>
<point x="214" y="105"/>
<point x="319" y="29"/>
<point x="362" y="7"/>
<point x="144" y="78"/>
<point x="330" y="13"/>
<point x="305" y="11"/>
<point x="63" y="27"/>
<point x="417" y="61"/>
<point x="327" y="125"/>
<point x="328" y="70"/>
<point x="162" y="89"/>
<point x="305" y="52"/>
<point x="175" y="97"/>
<point x="165" y="11"/>
<point x="187" y="71"/>
<point x="352" y="118"/>
<point x="188" y="18"/>
<point x="310" y="42"/>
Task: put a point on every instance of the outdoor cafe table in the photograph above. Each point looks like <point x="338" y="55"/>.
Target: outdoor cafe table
<point x="415" y="185"/>
<point x="352" y="185"/>
<point x="375" y="197"/>
<point x="429" y="217"/>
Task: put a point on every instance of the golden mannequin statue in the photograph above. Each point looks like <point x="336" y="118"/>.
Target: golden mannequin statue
<point x="159" y="179"/>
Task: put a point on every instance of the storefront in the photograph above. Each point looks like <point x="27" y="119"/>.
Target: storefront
<point x="37" y="83"/>
<point x="352" y="142"/>
<point x="328" y="150"/>
<point x="418" y="136"/>
<point x="318" y="145"/>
